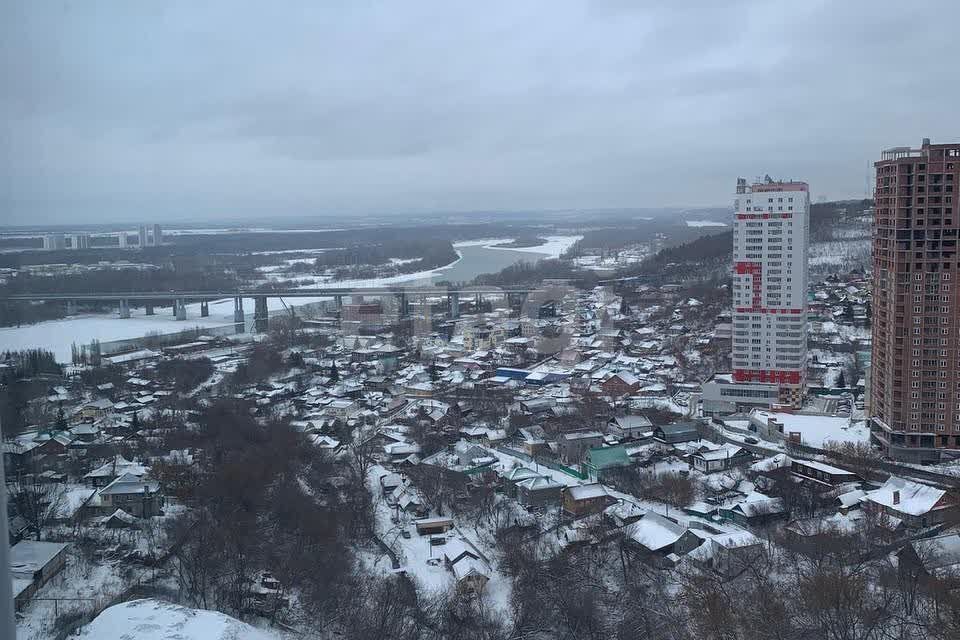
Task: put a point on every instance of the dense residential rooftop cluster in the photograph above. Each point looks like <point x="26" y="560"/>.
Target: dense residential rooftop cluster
<point x="580" y="422"/>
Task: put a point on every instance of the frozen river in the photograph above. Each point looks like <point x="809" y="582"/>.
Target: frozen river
<point x="476" y="257"/>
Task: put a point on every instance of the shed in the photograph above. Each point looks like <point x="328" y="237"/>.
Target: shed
<point x="582" y="500"/>
<point x="821" y="473"/>
<point x="538" y="491"/>
<point x="677" y="432"/>
<point x="32" y="564"/>
<point x="432" y="526"/>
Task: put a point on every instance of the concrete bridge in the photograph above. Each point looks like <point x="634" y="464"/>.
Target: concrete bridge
<point x="178" y="299"/>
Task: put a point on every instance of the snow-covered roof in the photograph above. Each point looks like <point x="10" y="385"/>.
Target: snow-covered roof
<point x="721" y="453"/>
<point x="433" y="521"/>
<point x="587" y="491"/>
<point x="825" y="468"/>
<point x="632" y="422"/>
<point x="624" y="510"/>
<point x="120" y="515"/>
<point x="129" y="483"/>
<point x="769" y="464"/>
<point x="851" y="498"/>
<point x="140" y="354"/>
<point x="520" y="473"/>
<point x="655" y="531"/>
<point x="100" y="403"/>
<point x="29" y="556"/>
<point x="727" y="540"/>
<point x="626" y="377"/>
<point x="581" y="435"/>
<point x="906" y="496"/>
<point x="401" y="448"/>
<point x="467" y="566"/>
<point x="539" y="482"/>
<point x="757" y="504"/>
<point x="116" y="467"/>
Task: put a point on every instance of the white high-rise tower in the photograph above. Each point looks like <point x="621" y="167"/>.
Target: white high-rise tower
<point x="770" y="236"/>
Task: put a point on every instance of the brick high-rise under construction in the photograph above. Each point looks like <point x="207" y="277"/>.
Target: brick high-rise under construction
<point x="915" y="364"/>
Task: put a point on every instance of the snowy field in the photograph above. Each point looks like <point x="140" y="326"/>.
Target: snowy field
<point x="705" y="223"/>
<point x="189" y="232"/>
<point x="818" y="431"/>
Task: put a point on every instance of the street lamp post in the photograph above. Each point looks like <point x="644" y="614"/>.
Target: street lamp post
<point x="7" y="627"/>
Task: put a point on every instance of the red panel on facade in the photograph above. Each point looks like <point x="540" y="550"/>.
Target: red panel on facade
<point x="772" y="376"/>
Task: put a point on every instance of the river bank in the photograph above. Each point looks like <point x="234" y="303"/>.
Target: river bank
<point x="475" y="257"/>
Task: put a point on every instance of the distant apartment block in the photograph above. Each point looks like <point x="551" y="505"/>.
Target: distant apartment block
<point x="54" y="242"/>
<point x="80" y="241"/>
<point x="59" y="241"/>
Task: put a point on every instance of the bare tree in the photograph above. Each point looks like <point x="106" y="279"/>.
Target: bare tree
<point x="439" y="486"/>
<point x="859" y="457"/>
<point x="361" y="456"/>
<point x="38" y="503"/>
<point x="672" y="488"/>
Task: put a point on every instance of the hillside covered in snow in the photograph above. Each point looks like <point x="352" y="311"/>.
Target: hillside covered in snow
<point x="156" y="620"/>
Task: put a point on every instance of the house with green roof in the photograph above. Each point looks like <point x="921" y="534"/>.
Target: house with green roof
<point x="600" y="460"/>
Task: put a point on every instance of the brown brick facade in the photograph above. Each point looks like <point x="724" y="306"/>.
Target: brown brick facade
<point x="915" y="387"/>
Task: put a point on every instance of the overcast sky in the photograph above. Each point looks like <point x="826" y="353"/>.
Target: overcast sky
<point x="197" y="110"/>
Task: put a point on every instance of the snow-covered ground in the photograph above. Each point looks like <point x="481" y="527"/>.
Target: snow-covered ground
<point x="848" y="247"/>
<point x="951" y="468"/>
<point x="214" y="231"/>
<point x="552" y="248"/>
<point x="617" y="259"/>
<point x="387" y="280"/>
<point x="705" y="223"/>
<point x="85" y="585"/>
<point x="818" y="431"/>
<point x="58" y="335"/>
<point x="423" y="561"/>
<point x="151" y="619"/>
<point x="282" y="251"/>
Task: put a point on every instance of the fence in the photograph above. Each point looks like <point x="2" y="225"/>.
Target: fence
<point x="514" y="452"/>
<point x="550" y="464"/>
<point x="559" y="467"/>
<point x="77" y="618"/>
<point x="711" y="432"/>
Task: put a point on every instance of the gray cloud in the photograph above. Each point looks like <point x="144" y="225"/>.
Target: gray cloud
<point x="180" y="110"/>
